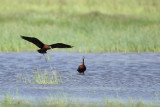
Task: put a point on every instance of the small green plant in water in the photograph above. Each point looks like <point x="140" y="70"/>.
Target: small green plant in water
<point x="44" y="77"/>
<point x="40" y="77"/>
<point x="48" y="58"/>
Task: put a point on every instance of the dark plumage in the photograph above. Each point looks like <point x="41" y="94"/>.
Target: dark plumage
<point x="82" y="67"/>
<point x="44" y="47"/>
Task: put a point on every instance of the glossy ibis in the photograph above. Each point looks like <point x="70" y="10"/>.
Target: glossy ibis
<point x="44" y="47"/>
<point x="82" y="67"/>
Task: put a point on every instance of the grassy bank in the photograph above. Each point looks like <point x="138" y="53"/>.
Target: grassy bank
<point x="112" y="104"/>
<point x="9" y="101"/>
<point x="89" y="25"/>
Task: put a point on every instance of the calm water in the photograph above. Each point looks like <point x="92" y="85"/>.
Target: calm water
<point x="108" y="75"/>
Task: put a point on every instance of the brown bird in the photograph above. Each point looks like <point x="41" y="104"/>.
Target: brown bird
<point x="44" y="47"/>
<point x="82" y="67"/>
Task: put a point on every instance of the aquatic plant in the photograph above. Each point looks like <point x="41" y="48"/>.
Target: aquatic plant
<point x="45" y="77"/>
<point x="40" y="76"/>
<point x="23" y="78"/>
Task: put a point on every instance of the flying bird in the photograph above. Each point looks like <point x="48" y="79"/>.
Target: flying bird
<point x="44" y="47"/>
<point x="82" y="67"/>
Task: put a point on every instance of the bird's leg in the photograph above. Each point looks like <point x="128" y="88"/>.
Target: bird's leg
<point x="45" y="57"/>
<point x="81" y="73"/>
<point x="40" y="57"/>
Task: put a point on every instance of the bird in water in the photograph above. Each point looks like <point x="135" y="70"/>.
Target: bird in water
<point x="44" y="47"/>
<point x="82" y="67"/>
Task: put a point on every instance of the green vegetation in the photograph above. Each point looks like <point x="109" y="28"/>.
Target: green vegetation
<point x="47" y="78"/>
<point x="40" y="77"/>
<point x="61" y="104"/>
<point x="88" y="25"/>
<point x="64" y="101"/>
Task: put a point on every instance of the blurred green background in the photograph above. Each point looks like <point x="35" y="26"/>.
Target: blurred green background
<point x="88" y="25"/>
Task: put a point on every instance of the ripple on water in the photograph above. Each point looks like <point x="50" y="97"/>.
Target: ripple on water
<point x="107" y="74"/>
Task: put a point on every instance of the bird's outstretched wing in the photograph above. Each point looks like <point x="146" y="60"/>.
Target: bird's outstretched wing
<point x="33" y="40"/>
<point x="60" y="45"/>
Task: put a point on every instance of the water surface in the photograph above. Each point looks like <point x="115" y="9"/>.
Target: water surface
<point x="109" y="75"/>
